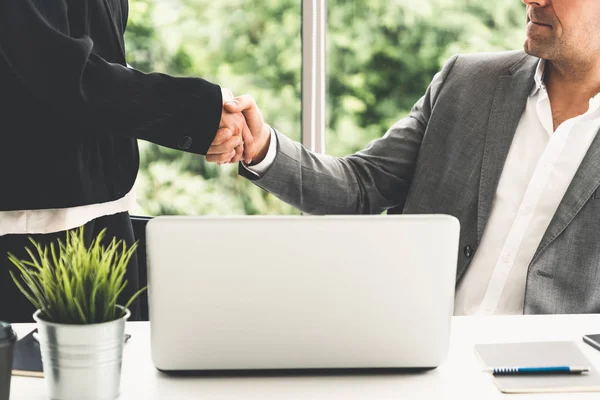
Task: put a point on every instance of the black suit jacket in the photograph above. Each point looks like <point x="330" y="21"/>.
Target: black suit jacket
<point x="71" y="111"/>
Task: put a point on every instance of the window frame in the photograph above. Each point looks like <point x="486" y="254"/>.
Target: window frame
<point x="314" y="71"/>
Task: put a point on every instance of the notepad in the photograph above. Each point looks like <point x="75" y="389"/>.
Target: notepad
<point x="27" y="359"/>
<point x="535" y="355"/>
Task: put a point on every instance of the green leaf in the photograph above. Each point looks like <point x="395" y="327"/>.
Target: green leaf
<point x="73" y="283"/>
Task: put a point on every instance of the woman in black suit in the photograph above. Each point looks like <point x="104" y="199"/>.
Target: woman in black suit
<point x="71" y="112"/>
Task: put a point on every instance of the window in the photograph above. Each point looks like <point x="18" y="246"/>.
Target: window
<point x="340" y="71"/>
<point x="248" y="46"/>
<point x="382" y="54"/>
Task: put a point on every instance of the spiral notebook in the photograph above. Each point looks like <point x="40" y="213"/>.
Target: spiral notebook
<point x="539" y="354"/>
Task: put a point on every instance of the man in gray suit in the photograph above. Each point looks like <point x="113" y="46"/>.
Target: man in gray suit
<point x="505" y="142"/>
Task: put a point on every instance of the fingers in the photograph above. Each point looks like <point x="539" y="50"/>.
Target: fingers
<point x="222" y="136"/>
<point x="240" y="118"/>
<point x="226" y="146"/>
<point x="232" y="106"/>
<point x="239" y="154"/>
<point x="221" y="158"/>
<point x="240" y="103"/>
<point x="252" y="115"/>
<point x="233" y="121"/>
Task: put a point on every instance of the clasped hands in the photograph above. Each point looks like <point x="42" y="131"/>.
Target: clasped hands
<point x="242" y="135"/>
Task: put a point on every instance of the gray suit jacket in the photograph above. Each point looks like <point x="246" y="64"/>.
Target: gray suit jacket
<point x="447" y="157"/>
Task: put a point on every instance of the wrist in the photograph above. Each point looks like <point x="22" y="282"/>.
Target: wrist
<point x="263" y="145"/>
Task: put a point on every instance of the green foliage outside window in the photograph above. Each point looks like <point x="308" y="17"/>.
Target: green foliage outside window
<point x="381" y="54"/>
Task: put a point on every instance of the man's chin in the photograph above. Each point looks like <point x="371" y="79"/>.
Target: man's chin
<point x="534" y="50"/>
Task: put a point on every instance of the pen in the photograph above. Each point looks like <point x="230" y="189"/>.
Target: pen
<point x="560" y="369"/>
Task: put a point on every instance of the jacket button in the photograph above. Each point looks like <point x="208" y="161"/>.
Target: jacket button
<point x="468" y="251"/>
<point x="184" y="143"/>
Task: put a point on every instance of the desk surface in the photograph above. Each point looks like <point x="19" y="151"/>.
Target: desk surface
<point x="459" y="377"/>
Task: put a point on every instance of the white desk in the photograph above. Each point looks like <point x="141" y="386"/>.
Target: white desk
<point x="458" y="378"/>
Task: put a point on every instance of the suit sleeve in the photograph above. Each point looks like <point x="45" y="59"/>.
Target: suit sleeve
<point x="101" y="97"/>
<point x="368" y="182"/>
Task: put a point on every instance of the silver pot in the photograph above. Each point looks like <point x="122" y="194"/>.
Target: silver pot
<point x="82" y="361"/>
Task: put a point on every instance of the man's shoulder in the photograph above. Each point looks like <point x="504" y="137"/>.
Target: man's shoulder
<point x="493" y="64"/>
<point x="469" y="79"/>
<point x="502" y="57"/>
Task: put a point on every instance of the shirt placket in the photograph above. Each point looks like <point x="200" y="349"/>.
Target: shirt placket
<point x="533" y="194"/>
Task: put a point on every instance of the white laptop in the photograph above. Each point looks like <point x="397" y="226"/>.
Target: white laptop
<point x="303" y="292"/>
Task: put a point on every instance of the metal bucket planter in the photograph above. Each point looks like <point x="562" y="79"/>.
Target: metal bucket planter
<point x="82" y="361"/>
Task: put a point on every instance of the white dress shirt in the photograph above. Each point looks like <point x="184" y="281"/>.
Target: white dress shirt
<point x="60" y="219"/>
<point x="538" y="170"/>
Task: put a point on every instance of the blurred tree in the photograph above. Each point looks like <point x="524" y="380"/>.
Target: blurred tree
<point x="382" y="55"/>
<point x="174" y="37"/>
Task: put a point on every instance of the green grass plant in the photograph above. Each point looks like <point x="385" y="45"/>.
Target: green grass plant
<point x="73" y="283"/>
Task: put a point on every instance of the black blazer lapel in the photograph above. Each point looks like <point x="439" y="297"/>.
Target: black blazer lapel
<point x="118" y="33"/>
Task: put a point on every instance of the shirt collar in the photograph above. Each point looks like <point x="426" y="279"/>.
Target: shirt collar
<point x="539" y="84"/>
<point x="539" y="77"/>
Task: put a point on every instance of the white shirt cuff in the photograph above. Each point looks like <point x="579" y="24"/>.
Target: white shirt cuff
<point x="269" y="159"/>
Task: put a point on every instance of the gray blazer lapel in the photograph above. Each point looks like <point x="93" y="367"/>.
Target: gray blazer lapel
<point x="509" y="102"/>
<point x="582" y="187"/>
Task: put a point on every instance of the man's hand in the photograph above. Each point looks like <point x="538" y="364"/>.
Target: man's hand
<point x="234" y="140"/>
<point x="260" y="131"/>
<point x="225" y="147"/>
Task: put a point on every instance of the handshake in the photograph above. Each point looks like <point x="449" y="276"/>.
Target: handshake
<point x="242" y="135"/>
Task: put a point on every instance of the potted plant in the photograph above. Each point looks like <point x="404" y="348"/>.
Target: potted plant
<point x="81" y="327"/>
